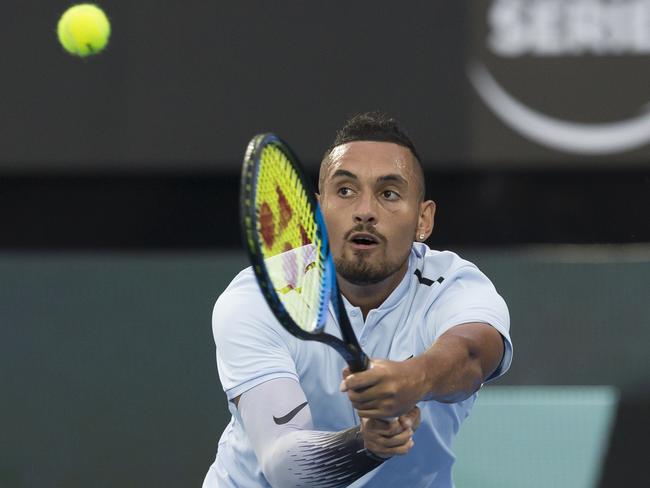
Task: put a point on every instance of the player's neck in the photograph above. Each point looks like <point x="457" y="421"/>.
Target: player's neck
<point x="369" y="297"/>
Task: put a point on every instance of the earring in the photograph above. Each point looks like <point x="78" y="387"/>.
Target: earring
<point x="421" y="237"/>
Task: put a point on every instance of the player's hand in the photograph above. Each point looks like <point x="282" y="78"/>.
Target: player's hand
<point x="387" y="388"/>
<point x="390" y="438"/>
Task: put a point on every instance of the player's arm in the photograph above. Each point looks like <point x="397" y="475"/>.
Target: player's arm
<point x="451" y="370"/>
<point x="277" y="420"/>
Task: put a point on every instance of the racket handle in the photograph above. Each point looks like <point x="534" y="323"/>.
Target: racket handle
<point x="359" y="361"/>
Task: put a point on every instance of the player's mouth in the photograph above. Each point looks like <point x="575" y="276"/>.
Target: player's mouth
<point x="363" y="240"/>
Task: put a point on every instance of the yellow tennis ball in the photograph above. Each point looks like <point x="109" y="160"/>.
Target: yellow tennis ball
<point x="84" y="29"/>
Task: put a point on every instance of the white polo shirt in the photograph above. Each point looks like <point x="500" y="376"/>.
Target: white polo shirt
<point x="440" y="290"/>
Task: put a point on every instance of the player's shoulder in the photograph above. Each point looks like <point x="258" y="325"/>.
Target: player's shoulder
<point x="241" y="296"/>
<point x="440" y="264"/>
<point x="447" y="273"/>
<point x="458" y="284"/>
<point x="244" y="283"/>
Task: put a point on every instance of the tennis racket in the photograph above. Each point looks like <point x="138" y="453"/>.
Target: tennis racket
<point x="286" y="239"/>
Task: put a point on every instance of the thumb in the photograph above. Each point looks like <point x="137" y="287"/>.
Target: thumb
<point x="411" y="419"/>
<point x="343" y="387"/>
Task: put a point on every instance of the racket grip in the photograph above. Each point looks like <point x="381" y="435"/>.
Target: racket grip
<point x="385" y="419"/>
<point x="359" y="361"/>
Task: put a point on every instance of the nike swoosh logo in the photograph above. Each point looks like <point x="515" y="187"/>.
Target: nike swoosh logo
<point x="571" y="137"/>
<point x="290" y="415"/>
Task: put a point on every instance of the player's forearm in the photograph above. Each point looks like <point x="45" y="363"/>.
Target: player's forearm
<point x="278" y="424"/>
<point x="460" y="360"/>
<point x="452" y="370"/>
<point x="449" y="371"/>
<point x="309" y="457"/>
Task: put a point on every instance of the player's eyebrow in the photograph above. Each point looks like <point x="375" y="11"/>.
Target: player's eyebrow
<point x="393" y="177"/>
<point x="342" y="173"/>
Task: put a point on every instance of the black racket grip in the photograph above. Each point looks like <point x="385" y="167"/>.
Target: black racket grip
<point x="359" y="361"/>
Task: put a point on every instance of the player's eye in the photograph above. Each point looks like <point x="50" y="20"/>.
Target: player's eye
<point x="344" y="191"/>
<point x="390" y="195"/>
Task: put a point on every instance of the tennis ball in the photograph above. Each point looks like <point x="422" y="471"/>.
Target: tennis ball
<point x="83" y="30"/>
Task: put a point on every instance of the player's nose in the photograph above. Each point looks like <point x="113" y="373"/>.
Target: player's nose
<point x="365" y="211"/>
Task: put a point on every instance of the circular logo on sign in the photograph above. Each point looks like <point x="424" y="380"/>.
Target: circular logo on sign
<point x="567" y="74"/>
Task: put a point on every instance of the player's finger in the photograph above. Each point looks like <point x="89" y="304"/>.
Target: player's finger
<point x="345" y="386"/>
<point x="411" y="419"/>
<point x="375" y="413"/>
<point x="398" y="439"/>
<point x="406" y="422"/>
<point x="386" y="428"/>
<point x="345" y="373"/>
<point x="416" y="420"/>
<point x="362" y="380"/>
<point x="379" y="390"/>
<point x="371" y="394"/>
<point x="369" y="405"/>
<point x="384" y="451"/>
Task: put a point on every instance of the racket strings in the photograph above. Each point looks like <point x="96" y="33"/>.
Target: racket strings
<point x="289" y="238"/>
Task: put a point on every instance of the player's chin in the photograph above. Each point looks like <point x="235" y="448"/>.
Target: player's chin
<point x="367" y="259"/>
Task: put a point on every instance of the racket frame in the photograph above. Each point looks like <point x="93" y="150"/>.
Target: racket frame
<point x="348" y="346"/>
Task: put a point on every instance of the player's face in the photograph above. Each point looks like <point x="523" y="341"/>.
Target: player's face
<point x="371" y="204"/>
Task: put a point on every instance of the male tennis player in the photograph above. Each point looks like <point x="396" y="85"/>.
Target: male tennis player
<point x="434" y="325"/>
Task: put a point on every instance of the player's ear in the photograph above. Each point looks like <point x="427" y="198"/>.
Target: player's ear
<point x="318" y="197"/>
<point x="425" y="220"/>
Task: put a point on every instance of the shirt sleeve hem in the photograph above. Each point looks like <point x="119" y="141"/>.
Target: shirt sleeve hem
<point x="504" y="365"/>
<point x="235" y="391"/>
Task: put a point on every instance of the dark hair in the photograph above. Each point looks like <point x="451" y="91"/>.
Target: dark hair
<point x="373" y="126"/>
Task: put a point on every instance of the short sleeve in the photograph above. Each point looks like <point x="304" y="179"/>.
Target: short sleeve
<point x="252" y="347"/>
<point x="470" y="296"/>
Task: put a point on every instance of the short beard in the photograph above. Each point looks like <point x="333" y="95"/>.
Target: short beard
<point x="360" y="273"/>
